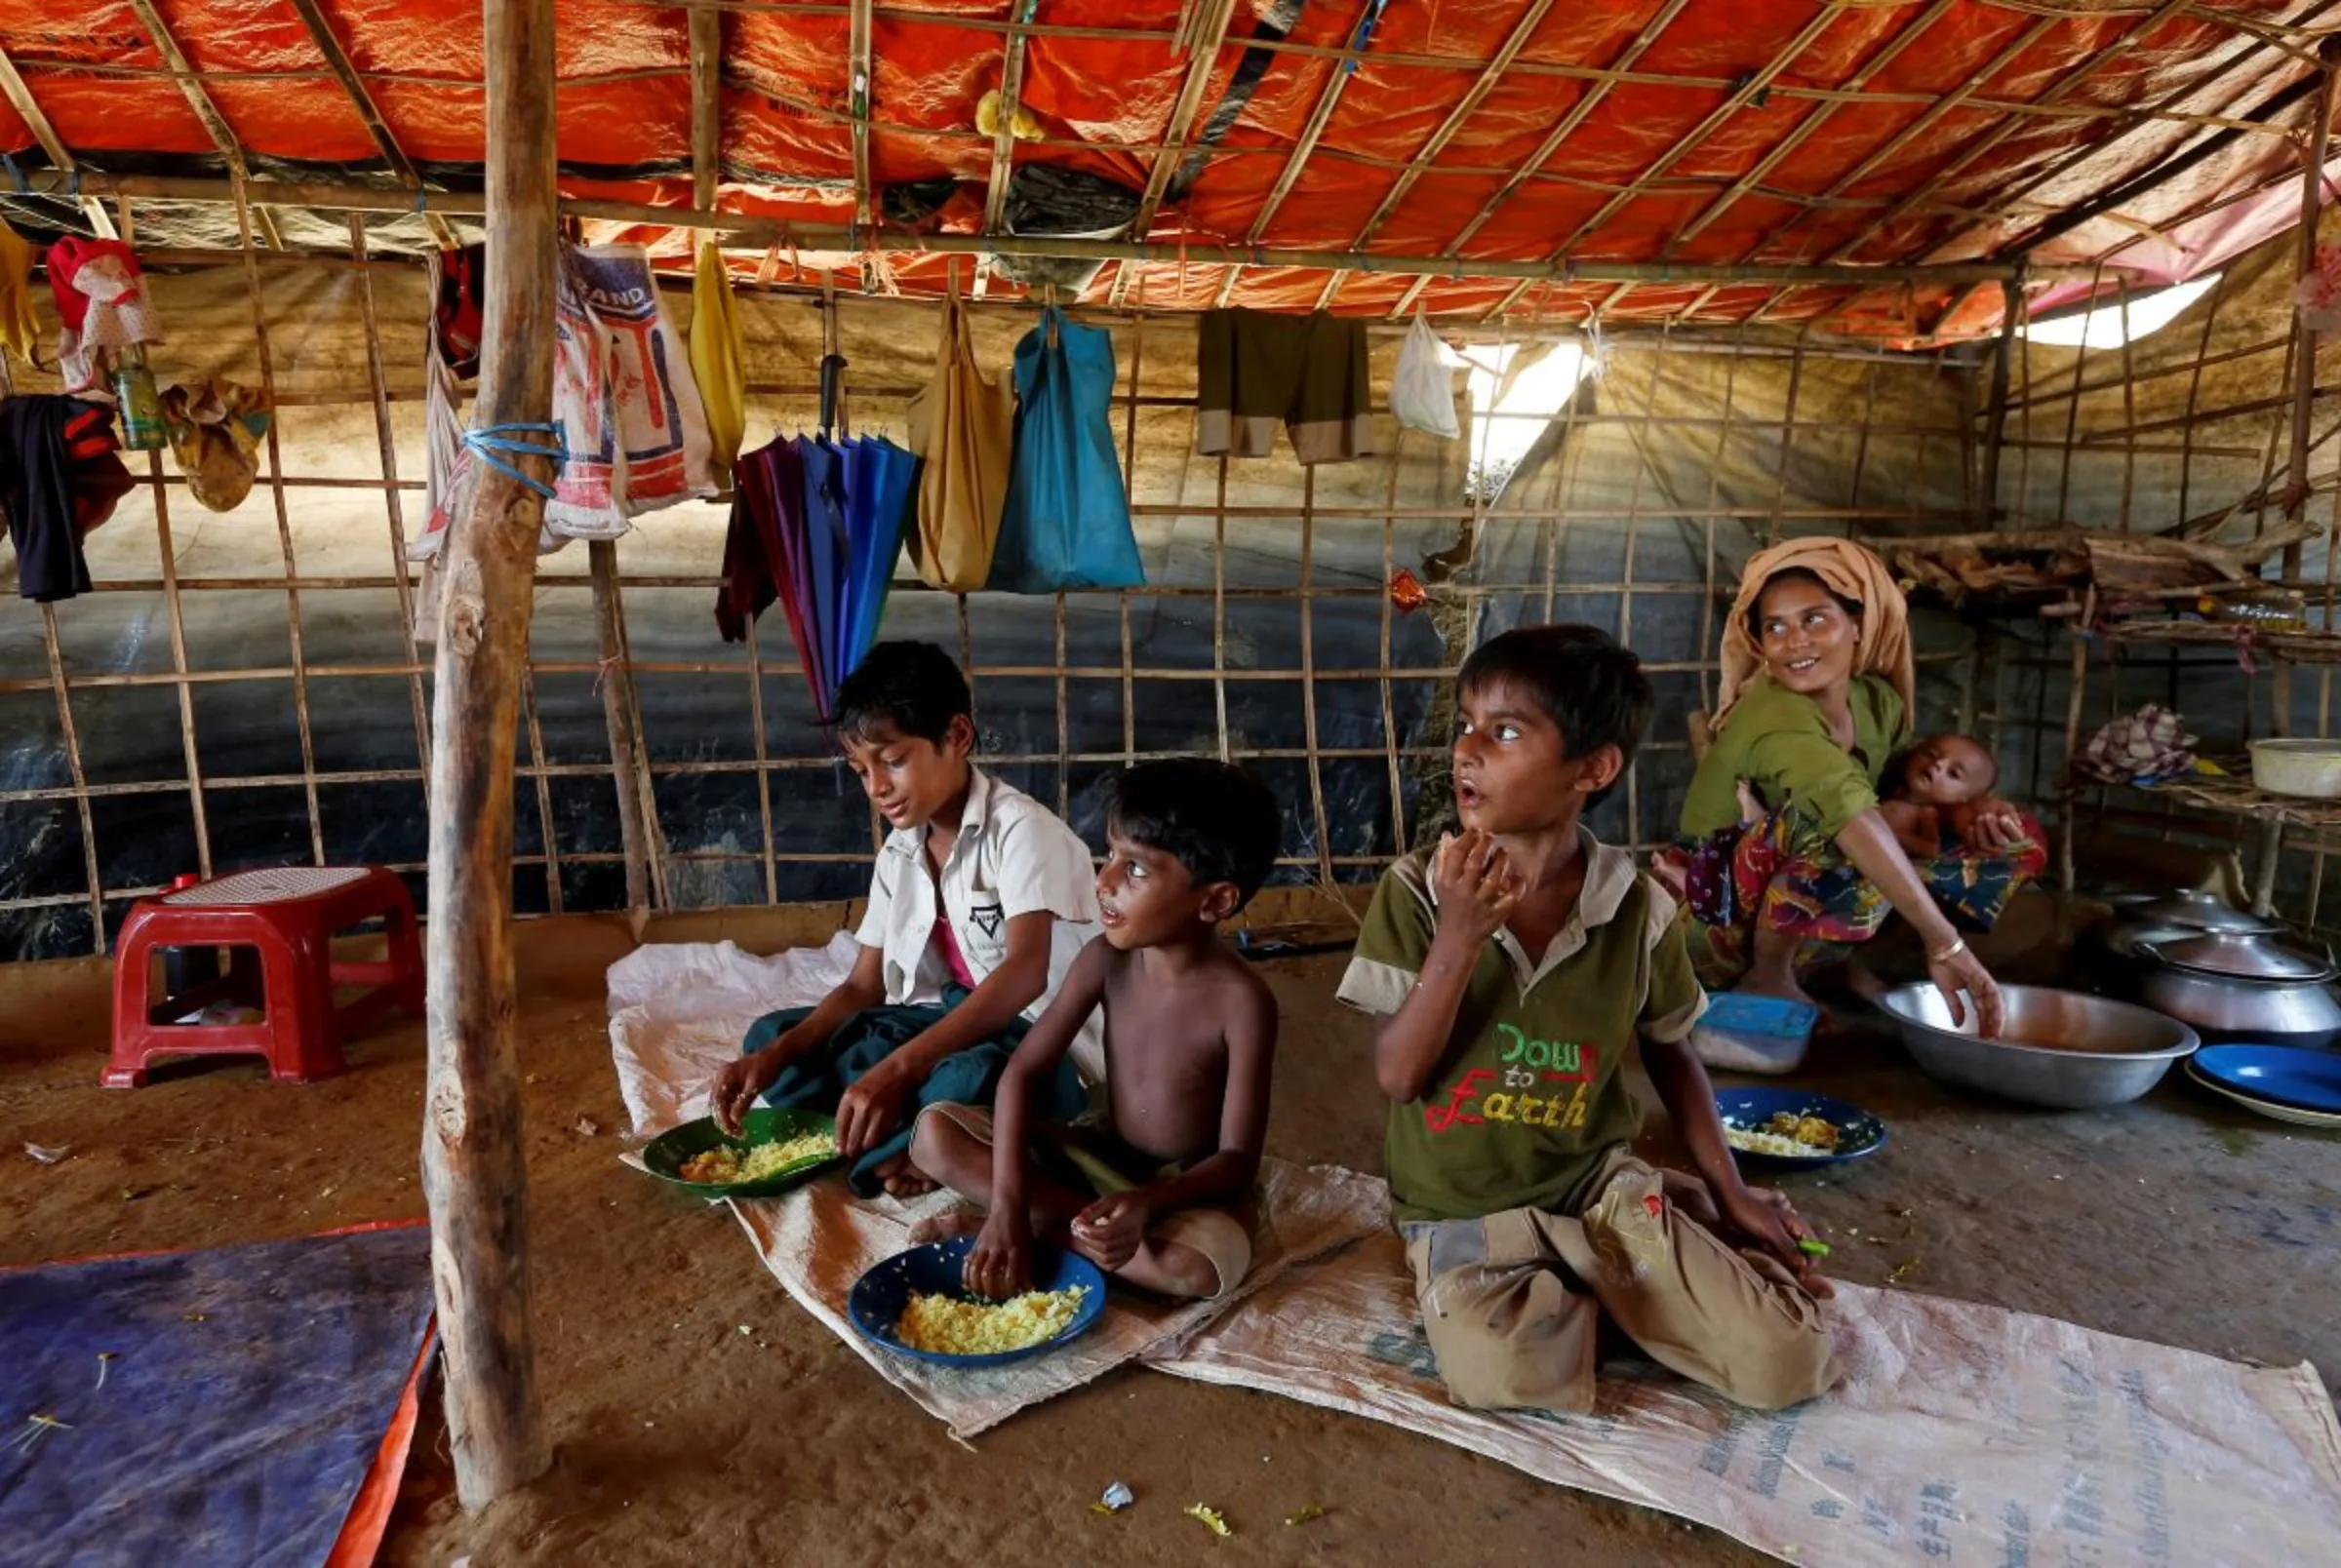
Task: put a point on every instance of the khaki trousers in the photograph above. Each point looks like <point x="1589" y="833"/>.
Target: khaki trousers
<point x="1512" y="1303"/>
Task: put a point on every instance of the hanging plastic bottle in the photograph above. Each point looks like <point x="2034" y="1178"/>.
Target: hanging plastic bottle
<point x="137" y="403"/>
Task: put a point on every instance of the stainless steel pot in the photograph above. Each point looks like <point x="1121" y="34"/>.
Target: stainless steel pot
<point x="2203" y="912"/>
<point x="2240" y="1009"/>
<point x="2123" y="942"/>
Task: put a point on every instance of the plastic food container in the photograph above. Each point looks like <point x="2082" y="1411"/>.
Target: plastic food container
<point x="1742" y="1033"/>
<point x="2308" y="770"/>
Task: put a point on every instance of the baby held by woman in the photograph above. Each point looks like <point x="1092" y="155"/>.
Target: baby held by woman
<point x="1937" y="790"/>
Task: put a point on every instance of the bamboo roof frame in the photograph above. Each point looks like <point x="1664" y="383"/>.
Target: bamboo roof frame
<point x="1204" y="41"/>
<point x="61" y="157"/>
<point x="1205" y="34"/>
<point x="1582" y="110"/>
<point x="361" y="100"/>
<point x="1457" y="118"/>
<point x="897" y="16"/>
<point x="744" y="230"/>
<point x="1361" y="40"/>
<point x="2058" y="168"/>
<point x="199" y="102"/>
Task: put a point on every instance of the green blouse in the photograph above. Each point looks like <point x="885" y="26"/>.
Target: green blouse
<point x="1777" y="740"/>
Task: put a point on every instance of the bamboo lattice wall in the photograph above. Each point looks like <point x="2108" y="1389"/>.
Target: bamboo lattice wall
<point x="238" y="691"/>
<point x="2185" y="424"/>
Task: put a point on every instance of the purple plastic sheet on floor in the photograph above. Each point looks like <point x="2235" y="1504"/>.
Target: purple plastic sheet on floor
<point x="244" y="1394"/>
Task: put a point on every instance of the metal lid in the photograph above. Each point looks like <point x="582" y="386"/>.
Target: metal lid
<point x="2205" y="913"/>
<point x="2241" y="955"/>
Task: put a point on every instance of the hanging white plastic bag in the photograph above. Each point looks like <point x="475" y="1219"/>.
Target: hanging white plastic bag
<point x="1422" y="394"/>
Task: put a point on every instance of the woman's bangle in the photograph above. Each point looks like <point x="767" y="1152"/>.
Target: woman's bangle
<point x="1958" y="945"/>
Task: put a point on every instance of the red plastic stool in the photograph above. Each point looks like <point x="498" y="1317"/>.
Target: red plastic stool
<point x="288" y="914"/>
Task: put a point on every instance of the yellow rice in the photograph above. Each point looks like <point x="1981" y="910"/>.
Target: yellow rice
<point x="726" y="1167"/>
<point x="1786" y="1136"/>
<point x="949" y="1325"/>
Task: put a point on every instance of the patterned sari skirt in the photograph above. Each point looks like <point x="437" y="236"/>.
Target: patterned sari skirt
<point x="1783" y="873"/>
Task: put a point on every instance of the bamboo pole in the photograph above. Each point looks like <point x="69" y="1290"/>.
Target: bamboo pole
<point x="544" y="791"/>
<point x="1308" y="678"/>
<point x="474" y="1177"/>
<point x="1219" y="670"/>
<point x="1390" y="746"/>
<point x="1995" y="415"/>
<point x="2304" y="360"/>
<point x="1130" y="495"/>
<point x="283" y="537"/>
<point x="744" y="230"/>
<point x="167" y="556"/>
<point x="386" y="443"/>
<point x="615" y="681"/>
<point x="2064" y="473"/>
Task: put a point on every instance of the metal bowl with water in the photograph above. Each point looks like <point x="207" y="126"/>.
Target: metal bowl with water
<point x="2059" y="1049"/>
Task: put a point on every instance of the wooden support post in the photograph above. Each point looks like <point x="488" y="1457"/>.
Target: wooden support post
<point x="474" y="1178"/>
<point x="1994" y="414"/>
<point x="2265" y="867"/>
<point x="2068" y="788"/>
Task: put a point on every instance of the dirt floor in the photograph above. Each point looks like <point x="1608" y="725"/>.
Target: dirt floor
<point x="680" y="1439"/>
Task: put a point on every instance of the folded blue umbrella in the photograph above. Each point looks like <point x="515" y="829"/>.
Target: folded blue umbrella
<point x="881" y="485"/>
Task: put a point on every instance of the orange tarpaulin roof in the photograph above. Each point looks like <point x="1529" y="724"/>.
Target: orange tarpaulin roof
<point x="1697" y="132"/>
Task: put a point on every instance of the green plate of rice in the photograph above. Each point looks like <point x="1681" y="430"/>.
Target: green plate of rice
<point x="775" y="1151"/>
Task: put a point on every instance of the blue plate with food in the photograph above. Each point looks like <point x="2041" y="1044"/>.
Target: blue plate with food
<point x="917" y="1304"/>
<point x="1785" y="1127"/>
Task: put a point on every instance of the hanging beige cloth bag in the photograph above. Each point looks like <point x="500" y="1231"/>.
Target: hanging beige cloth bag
<point x="962" y="425"/>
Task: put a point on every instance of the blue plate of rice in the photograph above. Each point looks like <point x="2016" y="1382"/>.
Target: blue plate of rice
<point x="917" y="1304"/>
<point x="1777" y="1126"/>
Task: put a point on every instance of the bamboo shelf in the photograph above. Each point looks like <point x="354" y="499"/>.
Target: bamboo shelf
<point x="2298" y="646"/>
<point x="2236" y="796"/>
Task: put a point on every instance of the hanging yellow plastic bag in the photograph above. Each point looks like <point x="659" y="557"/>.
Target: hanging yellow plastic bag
<point x="19" y="328"/>
<point x="962" y="425"/>
<point x="717" y="357"/>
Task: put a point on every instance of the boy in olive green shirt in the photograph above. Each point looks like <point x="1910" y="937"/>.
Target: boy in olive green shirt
<point x="1513" y="970"/>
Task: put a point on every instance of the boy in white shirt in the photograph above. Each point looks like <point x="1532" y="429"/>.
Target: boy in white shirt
<point x="979" y="893"/>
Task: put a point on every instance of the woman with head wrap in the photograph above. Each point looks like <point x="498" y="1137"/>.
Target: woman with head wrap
<point x="1785" y="859"/>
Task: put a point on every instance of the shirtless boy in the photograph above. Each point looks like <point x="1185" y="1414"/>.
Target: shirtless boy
<point x="1141" y="1187"/>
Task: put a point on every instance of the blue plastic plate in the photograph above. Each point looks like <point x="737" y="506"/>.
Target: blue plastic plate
<point x="880" y="1295"/>
<point x="1858" y="1133"/>
<point x="2288" y="1075"/>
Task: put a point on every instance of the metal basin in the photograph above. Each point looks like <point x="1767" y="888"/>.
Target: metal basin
<point x="2059" y="1049"/>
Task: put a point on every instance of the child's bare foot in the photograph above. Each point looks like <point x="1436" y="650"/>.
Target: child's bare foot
<point x="961" y="1219"/>
<point x="902" y="1178"/>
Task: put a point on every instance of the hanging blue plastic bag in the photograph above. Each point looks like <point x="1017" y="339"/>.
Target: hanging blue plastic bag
<point x="1066" y="524"/>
